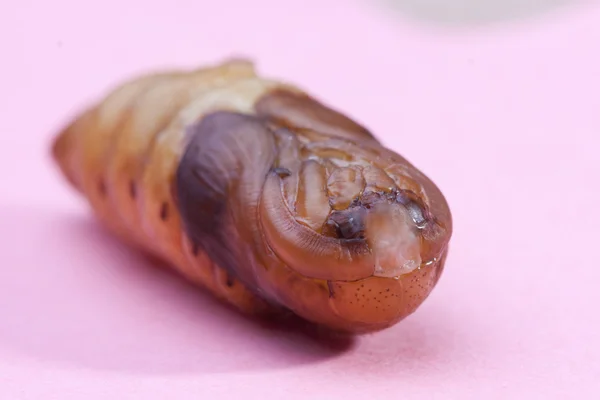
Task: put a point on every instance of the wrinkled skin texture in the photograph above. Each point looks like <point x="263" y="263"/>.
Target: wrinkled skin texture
<point x="269" y="199"/>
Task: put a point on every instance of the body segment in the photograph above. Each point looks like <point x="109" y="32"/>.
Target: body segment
<point x="261" y="194"/>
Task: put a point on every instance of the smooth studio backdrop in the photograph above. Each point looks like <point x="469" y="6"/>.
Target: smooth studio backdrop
<point x="496" y="101"/>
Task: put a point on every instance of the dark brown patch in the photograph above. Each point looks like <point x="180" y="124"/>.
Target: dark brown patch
<point x="348" y="224"/>
<point x="304" y="112"/>
<point x="224" y="150"/>
<point x="164" y="211"/>
<point x="195" y="249"/>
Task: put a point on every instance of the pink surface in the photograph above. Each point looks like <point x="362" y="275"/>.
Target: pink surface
<point x="504" y="117"/>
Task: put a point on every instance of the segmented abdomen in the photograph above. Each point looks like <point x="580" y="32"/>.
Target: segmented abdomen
<point x="123" y="155"/>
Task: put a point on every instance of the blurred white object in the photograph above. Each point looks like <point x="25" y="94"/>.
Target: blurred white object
<point x="467" y="12"/>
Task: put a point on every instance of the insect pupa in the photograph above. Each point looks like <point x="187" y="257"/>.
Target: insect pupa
<point x="263" y="195"/>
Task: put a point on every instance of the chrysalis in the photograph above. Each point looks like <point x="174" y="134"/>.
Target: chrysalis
<point x="263" y="195"/>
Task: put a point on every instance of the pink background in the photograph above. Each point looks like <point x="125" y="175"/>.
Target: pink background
<point x="500" y="107"/>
